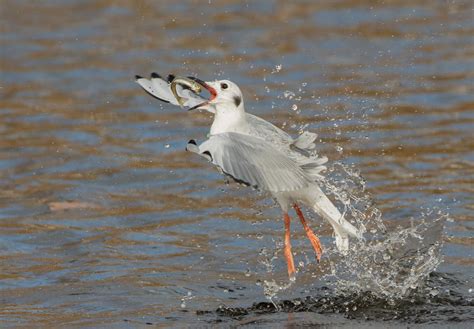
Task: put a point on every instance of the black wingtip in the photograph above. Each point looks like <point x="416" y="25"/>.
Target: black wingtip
<point x="138" y="77"/>
<point x="171" y="77"/>
<point x="155" y="75"/>
<point x="208" y="154"/>
<point x="194" y="145"/>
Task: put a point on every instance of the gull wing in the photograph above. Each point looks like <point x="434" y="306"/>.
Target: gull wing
<point x="302" y="150"/>
<point x="252" y="161"/>
<point x="159" y="88"/>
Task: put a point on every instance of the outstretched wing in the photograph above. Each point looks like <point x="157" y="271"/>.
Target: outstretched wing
<point x="302" y="150"/>
<point x="159" y="88"/>
<point x="252" y="161"/>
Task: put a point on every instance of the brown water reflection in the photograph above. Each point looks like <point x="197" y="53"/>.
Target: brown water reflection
<point x="104" y="217"/>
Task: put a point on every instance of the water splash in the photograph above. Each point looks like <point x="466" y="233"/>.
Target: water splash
<point x="431" y="305"/>
<point x="393" y="267"/>
<point x="385" y="265"/>
<point x="348" y="187"/>
<point x="389" y="265"/>
<point x="271" y="288"/>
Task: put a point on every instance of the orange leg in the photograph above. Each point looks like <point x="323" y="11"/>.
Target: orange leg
<point x="311" y="236"/>
<point x="288" y="254"/>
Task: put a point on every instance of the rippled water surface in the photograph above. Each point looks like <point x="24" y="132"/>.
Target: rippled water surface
<point x="105" y="220"/>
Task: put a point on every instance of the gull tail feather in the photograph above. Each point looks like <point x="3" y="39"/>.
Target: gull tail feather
<point x="342" y="228"/>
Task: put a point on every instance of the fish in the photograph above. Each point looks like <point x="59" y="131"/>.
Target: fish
<point x="186" y="92"/>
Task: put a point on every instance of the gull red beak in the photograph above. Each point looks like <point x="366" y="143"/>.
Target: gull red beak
<point x="210" y="89"/>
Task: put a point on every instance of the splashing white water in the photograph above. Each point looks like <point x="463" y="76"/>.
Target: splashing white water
<point x="388" y="264"/>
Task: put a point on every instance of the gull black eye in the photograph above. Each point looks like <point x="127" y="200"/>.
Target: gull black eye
<point x="224" y="86"/>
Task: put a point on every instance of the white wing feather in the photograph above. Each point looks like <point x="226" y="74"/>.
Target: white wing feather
<point x="253" y="161"/>
<point x="302" y="150"/>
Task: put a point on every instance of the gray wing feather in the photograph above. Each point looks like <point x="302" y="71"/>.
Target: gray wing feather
<point x="255" y="162"/>
<point x="302" y="150"/>
<point x="159" y="88"/>
<point x="305" y="141"/>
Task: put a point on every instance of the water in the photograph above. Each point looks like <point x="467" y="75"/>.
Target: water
<point x="105" y="220"/>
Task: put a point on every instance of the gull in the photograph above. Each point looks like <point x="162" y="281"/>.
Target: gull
<point x="254" y="152"/>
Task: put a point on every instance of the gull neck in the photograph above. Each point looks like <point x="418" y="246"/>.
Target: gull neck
<point x="229" y="118"/>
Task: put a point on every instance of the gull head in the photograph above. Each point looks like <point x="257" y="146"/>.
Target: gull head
<point x="228" y="93"/>
<point x="224" y="94"/>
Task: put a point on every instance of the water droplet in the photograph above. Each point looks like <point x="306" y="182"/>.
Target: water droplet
<point x="434" y="292"/>
<point x="288" y="94"/>
<point x="277" y="68"/>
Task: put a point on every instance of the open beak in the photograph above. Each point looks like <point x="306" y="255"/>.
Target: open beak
<point x="211" y="90"/>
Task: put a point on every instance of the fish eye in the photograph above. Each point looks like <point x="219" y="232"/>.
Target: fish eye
<point x="224" y="86"/>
